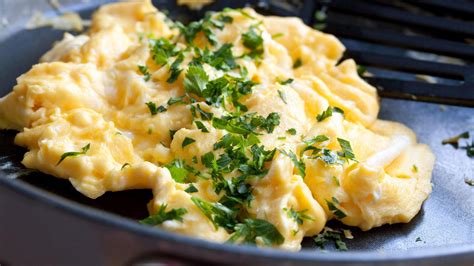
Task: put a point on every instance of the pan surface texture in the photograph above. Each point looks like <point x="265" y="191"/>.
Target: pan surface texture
<point x="43" y="220"/>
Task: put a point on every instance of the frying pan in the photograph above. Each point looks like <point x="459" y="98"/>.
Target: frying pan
<point x="43" y="220"/>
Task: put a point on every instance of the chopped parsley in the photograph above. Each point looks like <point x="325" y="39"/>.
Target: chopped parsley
<point x="191" y="189"/>
<point x="298" y="63"/>
<point x="291" y="131"/>
<point x="251" y="229"/>
<point x="71" y="154"/>
<point x="299" y="164"/>
<point x="298" y="216"/>
<point x="330" y="235"/>
<point x="247" y="123"/>
<point x="346" y="152"/>
<point x="145" y="72"/>
<point x="217" y="213"/>
<point x="161" y="50"/>
<point x="176" y="100"/>
<point x="336" y="180"/>
<point x="286" y="82"/>
<point x="253" y="41"/>
<point x="195" y="80"/>
<point x="418" y="239"/>
<point x="200" y="125"/>
<point x="187" y="141"/>
<point x="179" y="171"/>
<point x="154" y="110"/>
<point x="332" y="206"/>
<point x="282" y="96"/>
<point x="278" y="35"/>
<point x="125" y="165"/>
<point x="328" y="113"/>
<point x="414" y="168"/>
<point x="469" y="149"/>
<point x="162" y="216"/>
<point x="174" y="68"/>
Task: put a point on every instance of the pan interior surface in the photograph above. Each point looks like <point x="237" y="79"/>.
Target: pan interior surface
<point x="444" y="221"/>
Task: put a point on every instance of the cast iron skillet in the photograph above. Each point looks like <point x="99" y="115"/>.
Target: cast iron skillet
<point x="43" y="220"/>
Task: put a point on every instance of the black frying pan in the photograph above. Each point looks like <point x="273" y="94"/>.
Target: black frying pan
<point x="43" y="220"/>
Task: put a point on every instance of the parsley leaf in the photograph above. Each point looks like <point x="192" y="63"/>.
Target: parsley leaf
<point x="291" y="131"/>
<point x="154" y="110"/>
<point x="248" y="231"/>
<point x="187" y="141"/>
<point x="83" y="151"/>
<point x="175" y="70"/>
<point x="253" y="41"/>
<point x="200" y="125"/>
<point x="282" y="96"/>
<point x="145" y="72"/>
<point x="298" y="63"/>
<point x="299" y="164"/>
<point x="298" y="216"/>
<point x="162" y="216"/>
<point x="195" y="80"/>
<point x="219" y="214"/>
<point x="176" y="100"/>
<point x="178" y="171"/>
<point x="125" y="165"/>
<point x="325" y="114"/>
<point x="161" y="50"/>
<point x="346" y="152"/>
<point x="334" y="209"/>
<point x="191" y="189"/>
<point x="286" y="82"/>
<point x="330" y="235"/>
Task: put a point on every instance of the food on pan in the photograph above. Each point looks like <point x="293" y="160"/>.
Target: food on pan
<point x="246" y="128"/>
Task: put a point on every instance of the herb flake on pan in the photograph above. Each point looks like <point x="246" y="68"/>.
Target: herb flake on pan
<point x="330" y="236"/>
<point x="454" y="141"/>
<point x="72" y="154"/>
<point x="162" y="216"/>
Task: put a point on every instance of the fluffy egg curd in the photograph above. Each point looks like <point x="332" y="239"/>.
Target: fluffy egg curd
<point x="247" y="128"/>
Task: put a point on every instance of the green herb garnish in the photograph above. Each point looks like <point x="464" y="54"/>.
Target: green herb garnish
<point x="145" y="72"/>
<point x="282" y="96"/>
<point x="291" y="131"/>
<point x="298" y="63"/>
<point x="154" y="110"/>
<point x="334" y="209"/>
<point x="251" y="229"/>
<point x="191" y="189"/>
<point x="330" y="235"/>
<point x="187" y="141"/>
<point x="162" y="216"/>
<point x="298" y="216"/>
<point x="83" y="151"/>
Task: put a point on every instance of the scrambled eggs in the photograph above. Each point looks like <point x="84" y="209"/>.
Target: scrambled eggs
<point x="247" y="128"/>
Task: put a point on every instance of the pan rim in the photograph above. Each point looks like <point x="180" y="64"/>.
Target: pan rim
<point x="111" y="219"/>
